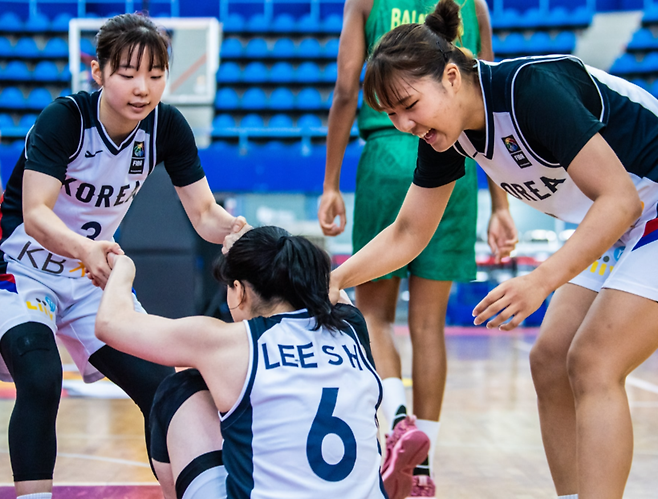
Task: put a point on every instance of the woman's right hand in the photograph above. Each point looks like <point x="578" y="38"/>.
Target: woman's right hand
<point x="95" y="260"/>
<point x="332" y="206"/>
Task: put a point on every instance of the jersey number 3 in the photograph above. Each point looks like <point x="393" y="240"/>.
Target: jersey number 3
<point x="325" y="423"/>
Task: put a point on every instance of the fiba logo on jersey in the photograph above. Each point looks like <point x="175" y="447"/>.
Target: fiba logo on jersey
<point x="137" y="160"/>
<point x="515" y="151"/>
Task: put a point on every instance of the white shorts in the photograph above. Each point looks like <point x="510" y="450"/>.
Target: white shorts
<point x="211" y="484"/>
<point x="66" y="305"/>
<point x="631" y="265"/>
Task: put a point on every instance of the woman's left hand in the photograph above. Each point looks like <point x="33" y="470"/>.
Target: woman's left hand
<point x="238" y="228"/>
<point x="502" y="235"/>
<point x="517" y="299"/>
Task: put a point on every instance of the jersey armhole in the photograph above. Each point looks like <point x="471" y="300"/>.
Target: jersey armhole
<point x="238" y="408"/>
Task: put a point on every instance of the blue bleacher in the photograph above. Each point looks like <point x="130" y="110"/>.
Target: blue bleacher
<point x="12" y="98"/>
<point x="38" y="99"/>
<point x="55" y="48"/>
<point x="254" y="99"/>
<point x="229" y="72"/>
<point x="252" y="121"/>
<point x="227" y="99"/>
<point x="6" y="47"/>
<point x="10" y="22"/>
<point x="282" y="72"/>
<point x="26" y="48"/>
<point x="282" y="99"/>
<point x="280" y="121"/>
<point x="309" y="48"/>
<point x="308" y="72"/>
<point x="16" y="71"/>
<point x="231" y="48"/>
<point x="46" y="71"/>
<point x="255" y="72"/>
<point x="284" y="48"/>
<point x="256" y="48"/>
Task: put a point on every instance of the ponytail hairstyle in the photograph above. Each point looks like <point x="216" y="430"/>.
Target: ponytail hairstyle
<point x="413" y="51"/>
<point x="280" y="267"/>
<point x="125" y="33"/>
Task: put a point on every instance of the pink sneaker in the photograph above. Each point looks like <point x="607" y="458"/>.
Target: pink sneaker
<point x="423" y="486"/>
<point x="406" y="447"/>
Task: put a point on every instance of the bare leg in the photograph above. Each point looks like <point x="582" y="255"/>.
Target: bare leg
<point x="428" y="302"/>
<point x="377" y="301"/>
<point x="548" y="361"/>
<point x="165" y="478"/>
<point x="618" y="334"/>
<point x="33" y="487"/>
<point x="193" y="431"/>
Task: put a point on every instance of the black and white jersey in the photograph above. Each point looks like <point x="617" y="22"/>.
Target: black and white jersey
<point x="540" y="112"/>
<point x="99" y="178"/>
<point x="305" y="423"/>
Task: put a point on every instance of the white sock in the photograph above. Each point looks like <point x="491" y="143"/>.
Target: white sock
<point x="394" y="397"/>
<point x="431" y="429"/>
<point x="570" y="496"/>
<point x="38" y="495"/>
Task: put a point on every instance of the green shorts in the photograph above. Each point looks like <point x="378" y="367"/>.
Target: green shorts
<point x="384" y="174"/>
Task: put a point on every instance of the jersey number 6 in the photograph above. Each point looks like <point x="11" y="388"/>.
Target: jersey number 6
<point x="325" y="423"/>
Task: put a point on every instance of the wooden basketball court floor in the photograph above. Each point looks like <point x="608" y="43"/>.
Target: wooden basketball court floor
<point x="489" y="444"/>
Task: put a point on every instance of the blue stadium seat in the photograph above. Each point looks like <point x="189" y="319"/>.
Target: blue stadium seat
<point x="65" y="92"/>
<point x="309" y="121"/>
<point x="533" y="18"/>
<point x="12" y="98"/>
<point x="309" y="48"/>
<point x="258" y="24"/>
<point x="6" y="47"/>
<point x="227" y="99"/>
<point x="61" y="22"/>
<point x="27" y="120"/>
<point x="65" y="75"/>
<point x="650" y="63"/>
<point x="330" y="49"/>
<point x="559" y="17"/>
<point x="539" y="43"/>
<point x="308" y="72"/>
<point x="506" y="19"/>
<point x="255" y="72"/>
<point x="282" y="99"/>
<point x="363" y="72"/>
<point x="46" y="71"/>
<point x="280" y="121"/>
<point x="38" y="99"/>
<point x="223" y="121"/>
<point x="308" y="24"/>
<point x="234" y="23"/>
<point x="564" y="42"/>
<point x="87" y="46"/>
<point x="284" y="23"/>
<point x="256" y="49"/>
<point x="37" y="23"/>
<point x="231" y="48"/>
<point x="6" y="121"/>
<point x="229" y="72"/>
<point x="26" y="48"/>
<point x="653" y="89"/>
<point x="625" y="64"/>
<point x="254" y="98"/>
<point x="284" y="48"/>
<point x="309" y="98"/>
<point x="332" y="24"/>
<point x="282" y="72"/>
<point x="17" y="71"/>
<point x="329" y="100"/>
<point x="330" y="73"/>
<point x="252" y="121"/>
<point x="11" y="22"/>
<point x="643" y="39"/>
<point x="514" y="43"/>
<point x="55" y="47"/>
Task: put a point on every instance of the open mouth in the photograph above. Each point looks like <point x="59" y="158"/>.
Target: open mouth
<point x="429" y="135"/>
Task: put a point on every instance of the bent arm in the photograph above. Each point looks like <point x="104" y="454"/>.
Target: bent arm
<point x="484" y="23"/>
<point x="211" y="221"/>
<point x="351" y="56"/>
<point x="597" y="171"/>
<point x="400" y="242"/>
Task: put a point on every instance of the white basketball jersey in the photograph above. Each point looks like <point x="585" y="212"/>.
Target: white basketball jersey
<point x="305" y="424"/>
<point x="99" y="178"/>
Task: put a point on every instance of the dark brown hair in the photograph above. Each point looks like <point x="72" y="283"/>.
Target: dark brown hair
<point x="125" y="34"/>
<point x="414" y="51"/>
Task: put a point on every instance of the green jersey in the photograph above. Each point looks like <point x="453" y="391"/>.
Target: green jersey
<point x="389" y="14"/>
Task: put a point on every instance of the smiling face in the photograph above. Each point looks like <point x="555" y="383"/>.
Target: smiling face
<point x="130" y="92"/>
<point x="437" y="112"/>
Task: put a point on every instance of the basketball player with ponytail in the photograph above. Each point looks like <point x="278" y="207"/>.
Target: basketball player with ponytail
<point x="292" y="370"/>
<point x="384" y="174"/>
<point x="571" y="141"/>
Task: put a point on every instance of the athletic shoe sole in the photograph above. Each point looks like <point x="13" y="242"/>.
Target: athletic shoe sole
<point x="409" y="452"/>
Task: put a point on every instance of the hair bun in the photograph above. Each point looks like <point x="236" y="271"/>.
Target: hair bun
<point x="445" y="20"/>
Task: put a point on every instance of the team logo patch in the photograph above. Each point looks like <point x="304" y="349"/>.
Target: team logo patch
<point x="137" y="160"/>
<point x="515" y="151"/>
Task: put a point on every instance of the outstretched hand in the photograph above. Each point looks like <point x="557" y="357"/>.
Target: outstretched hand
<point x="515" y="299"/>
<point x="238" y="228"/>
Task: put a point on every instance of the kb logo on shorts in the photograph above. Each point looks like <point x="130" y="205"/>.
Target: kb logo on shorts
<point x="515" y="151"/>
<point x="137" y="161"/>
